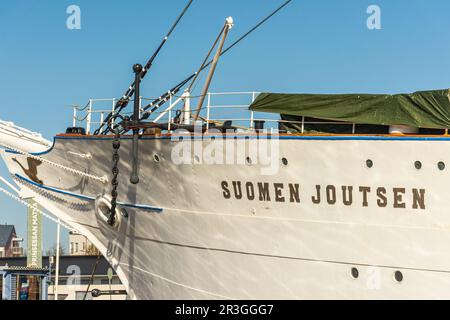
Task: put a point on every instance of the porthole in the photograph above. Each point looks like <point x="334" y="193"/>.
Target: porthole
<point x="156" y="158"/>
<point x="369" y="163"/>
<point x="248" y="161"/>
<point x="284" y="161"/>
<point x="355" y="273"/>
<point x="398" y="276"/>
<point x="441" y="165"/>
<point x="418" y="165"/>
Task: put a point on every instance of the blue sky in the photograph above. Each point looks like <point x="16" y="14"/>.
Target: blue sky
<point x="319" y="46"/>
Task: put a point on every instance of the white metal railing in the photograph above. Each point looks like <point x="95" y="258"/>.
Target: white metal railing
<point x="217" y="109"/>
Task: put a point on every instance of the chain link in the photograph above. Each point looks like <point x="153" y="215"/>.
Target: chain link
<point x="115" y="172"/>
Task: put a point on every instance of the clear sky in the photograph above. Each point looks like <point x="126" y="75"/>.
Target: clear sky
<point x="317" y="46"/>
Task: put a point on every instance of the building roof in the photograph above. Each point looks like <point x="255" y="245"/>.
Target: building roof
<point x="21" y="268"/>
<point x="5" y="233"/>
<point x="66" y="263"/>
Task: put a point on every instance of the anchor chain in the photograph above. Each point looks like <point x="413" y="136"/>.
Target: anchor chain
<point x="115" y="172"/>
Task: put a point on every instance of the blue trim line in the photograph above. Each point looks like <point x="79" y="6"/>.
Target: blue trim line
<point x="80" y="196"/>
<point x="350" y="137"/>
<point x="36" y="153"/>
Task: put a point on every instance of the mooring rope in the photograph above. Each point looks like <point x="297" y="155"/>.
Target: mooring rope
<point x="25" y="203"/>
<point x="91" y="279"/>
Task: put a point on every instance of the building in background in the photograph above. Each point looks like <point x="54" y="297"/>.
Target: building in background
<point x="79" y="245"/>
<point x="10" y="244"/>
<point x="23" y="283"/>
<point x="74" y="278"/>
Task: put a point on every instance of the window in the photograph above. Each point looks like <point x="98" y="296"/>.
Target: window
<point x="76" y="247"/>
<point x="71" y="247"/>
<point x="86" y="281"/>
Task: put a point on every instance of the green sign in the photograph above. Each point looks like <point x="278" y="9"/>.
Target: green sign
<point x="34" y="232"/>
<point x="110" y="274"/>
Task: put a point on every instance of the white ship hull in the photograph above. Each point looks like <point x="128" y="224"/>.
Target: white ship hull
<point x="189" y="235"/>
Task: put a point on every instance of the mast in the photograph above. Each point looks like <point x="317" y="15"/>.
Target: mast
<point x="228" y="25"/>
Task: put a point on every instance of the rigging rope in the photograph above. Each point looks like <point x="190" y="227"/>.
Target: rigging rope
<point x="9" y="194"/>
<point x="206" y="59"/>
<point x="123" y="102"/>
<point x="103" y="179"/>
<point x="163" y="99"/>
<point x="92" y="275"/>
<point x="255" y="27"/>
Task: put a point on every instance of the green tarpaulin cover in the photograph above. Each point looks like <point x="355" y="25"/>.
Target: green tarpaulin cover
<point x="423" y="109"/>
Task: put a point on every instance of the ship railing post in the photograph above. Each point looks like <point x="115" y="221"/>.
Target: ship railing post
<point x="353" y="128"/>
<point x="140" y="106"/>
<point x="170" y="114"/>
<point x="169" y="122"/>
<point x="187" y="107"/>
<point x="252" y="114"/>
<point x="208" y="110"/>
<point x="88" y="119"/>
<point x="113" y="109"/>
<point x="102" y="117"/>
<point x="74" y="121"/>
<point x="303" y="124"/>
